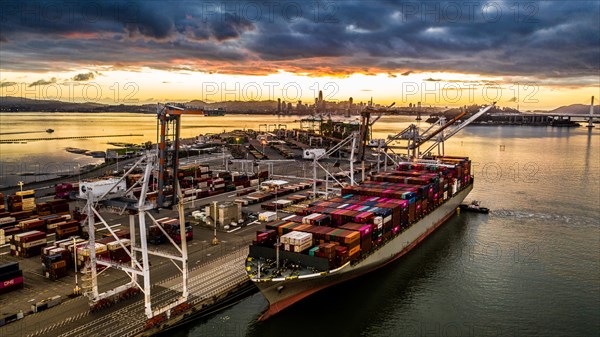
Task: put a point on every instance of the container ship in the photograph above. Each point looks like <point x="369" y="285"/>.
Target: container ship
<point x="367" y="227"/>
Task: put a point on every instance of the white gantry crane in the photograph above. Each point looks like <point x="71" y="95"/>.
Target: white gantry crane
<point x="432" y="137"/>
<point x="318" y="154"/>
<point x="112" y="194"/>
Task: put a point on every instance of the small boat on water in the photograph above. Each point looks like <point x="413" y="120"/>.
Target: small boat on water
<point x="76" y="150"/>
<point x="474" y="207"/>
<point x="49" y="130"/>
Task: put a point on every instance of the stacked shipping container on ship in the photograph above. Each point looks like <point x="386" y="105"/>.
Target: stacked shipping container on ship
<point x="369" y="225"/>
<point x="11" y="277"/>
<point x="366" y="217"/>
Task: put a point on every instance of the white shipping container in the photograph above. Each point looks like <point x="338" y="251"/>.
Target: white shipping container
<point x="7" y="220"/>
<point x="302" y="238"/>
<point x="267" y="216"/>
<point x="306" y="219"/>
<point x="99" y="187"/>
<point x="283" y="202"/>
<point x="56" y="251"/>
<point x="25" y="222"/>
<point x="242" y="201"/>
<point x="115" y="244"/>
<point x="85" y="250"/>
<point x="69" y="242"/>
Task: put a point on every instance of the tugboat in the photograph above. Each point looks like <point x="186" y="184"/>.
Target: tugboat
<point x="474" y="207"/>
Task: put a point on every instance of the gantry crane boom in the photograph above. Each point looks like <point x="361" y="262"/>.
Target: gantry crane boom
<point x="454" y="130"/>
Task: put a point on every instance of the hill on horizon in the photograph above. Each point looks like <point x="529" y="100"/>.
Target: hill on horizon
<point x="575" y="109"/>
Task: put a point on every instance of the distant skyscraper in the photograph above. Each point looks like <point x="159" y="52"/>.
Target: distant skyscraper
<point x="320" y="95"/>
<point x="279" y="105"/>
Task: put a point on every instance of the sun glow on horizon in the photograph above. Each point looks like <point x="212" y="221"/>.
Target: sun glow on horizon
<point x="146" y="85"/>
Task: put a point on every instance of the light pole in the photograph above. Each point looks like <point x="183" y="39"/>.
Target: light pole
<point x="215" y="241"/>
<point x="223" y="152"/>
<point x="76" y="290"/>
<point x="21" y="185"/>
<point x="263" y="142"/>
<point x="194" y="184"/>
<point x="276" y="192"/>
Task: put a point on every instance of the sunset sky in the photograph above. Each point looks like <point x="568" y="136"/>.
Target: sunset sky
<point x="539" y="55"/>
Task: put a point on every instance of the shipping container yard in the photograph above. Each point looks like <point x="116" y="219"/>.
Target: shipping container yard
<point x="47" y="243"/>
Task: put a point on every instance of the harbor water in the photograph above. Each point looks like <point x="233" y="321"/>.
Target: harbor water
<point x="30" y="161"/>
<point x="529" y="268"/>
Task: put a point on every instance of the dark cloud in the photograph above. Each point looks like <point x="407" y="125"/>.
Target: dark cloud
<point x="43" y="82"/>
<point x="541" y="39"/>
<point x="7" y="84"/>
<point x="84" y="77"/>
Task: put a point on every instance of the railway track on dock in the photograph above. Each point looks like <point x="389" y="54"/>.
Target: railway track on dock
<point x="205" y="282"/>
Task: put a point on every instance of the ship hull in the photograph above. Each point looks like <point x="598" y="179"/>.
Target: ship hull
<point x="282" y="294"/>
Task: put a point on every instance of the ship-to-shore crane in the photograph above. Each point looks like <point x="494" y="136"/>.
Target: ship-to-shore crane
<point x="112" y="194"/>
<point x="436" y="135"/>
<point x="169" y="126"/>
<point x="357" y="141"/>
